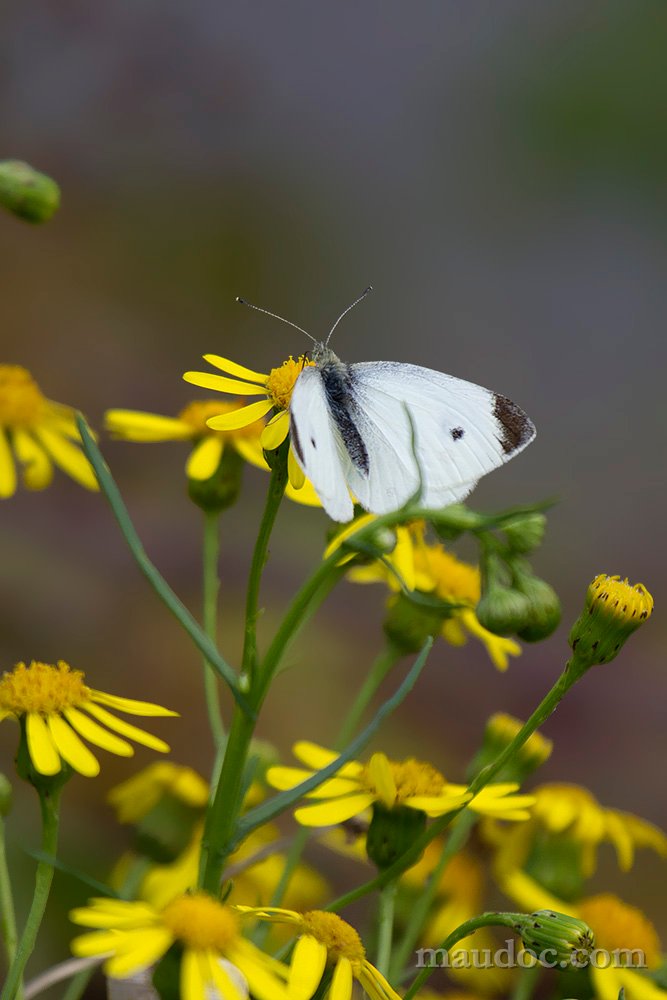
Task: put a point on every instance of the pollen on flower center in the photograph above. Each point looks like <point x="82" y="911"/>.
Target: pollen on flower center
<point x="622" y="600"/>
<point x="21" y="401"/>
<point x="455" y="580"/>
<point x="201" y="922"/>
<point x="410" y="776"/>
<point x="339" y="938"/>
<point x="281" y="380"/>
<point x="199" y="411"/>
<point x="42" y="688"/>
<point x="618" y="925"/>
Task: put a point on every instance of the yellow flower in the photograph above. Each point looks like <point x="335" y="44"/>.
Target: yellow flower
<point x="614" y="610"/>
<point x="133" y="799"/>
<point x="38" y="434"/>
<point x="56" y="708"/>
<point x="136" y="935"/>
<point x="412" y="783"/>
<point x="276" y="387"/>
<point x="326" y="939"/>
<point x="430" y="569"/>
<point x="572" y="814"/>
<point x="616" y="925"/>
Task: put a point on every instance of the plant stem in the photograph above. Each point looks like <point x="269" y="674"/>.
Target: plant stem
<point x="7" y="916"/>
<point x="210" y="588"/>
<point x="461" y="932"/>
<point x="385" y="927"/>
<point x="526" y="982"/>
<point x="49" y="804"/>
<point x="384" y="662"/>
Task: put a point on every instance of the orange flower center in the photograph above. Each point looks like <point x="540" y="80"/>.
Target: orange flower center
<point x="618" y="925"/>
<point x="21" y="402"/>
<point x="198" y="412"/>
<point x="280" y="383"/>
<point x="42" y="688"/>
<point x="202" y="923"/>
<point x="338" y="937"/>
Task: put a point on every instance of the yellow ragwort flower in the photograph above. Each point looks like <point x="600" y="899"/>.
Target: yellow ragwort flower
<point x="276" y="387"/>
<point x="326" y="939"/>
<point x="430" y="569"/>
<point x="133" y="799"/>
<point x="38" y="434"/>
<point x="616" y="925"/>
<point x="57" y="708"/>
<point x="135" y="935"/>
<point x="412" y="783"/>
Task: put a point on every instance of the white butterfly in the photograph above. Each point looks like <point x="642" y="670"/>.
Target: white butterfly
<point x="381" y="430"/>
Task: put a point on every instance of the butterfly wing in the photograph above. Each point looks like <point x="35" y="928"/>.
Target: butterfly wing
<point x="421" y="427"/>
<point x="318" y="445"/>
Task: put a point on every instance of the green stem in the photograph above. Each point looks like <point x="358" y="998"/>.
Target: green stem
<point x="210" y="588"/>
<point x="386" y="908"/>
<point x="422" y="904"/>
<point x="572" y="673"/>
<point x="49" y="803"/>
<point x="526" y="983"/>
<point x="461" y="932"/>
<point x="7" y="917"/>
<point x="386" y="660"/>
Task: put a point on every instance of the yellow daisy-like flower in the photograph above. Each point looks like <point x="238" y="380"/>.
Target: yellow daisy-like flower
<point x="133" y="799"/>
<point x="276" y="387"/>
<point x="38" y="434"/>
<point x="136" y="935"/>
<point x="412" y="783"/>
<point x="326" y="939"/>
<point x="573" y="814"/>
<point x="430" y="569"/>
<point x="616" y="925"/>
<point x="57" y="708"/>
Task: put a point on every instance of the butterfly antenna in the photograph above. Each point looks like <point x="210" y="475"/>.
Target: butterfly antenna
<point x="346" y="311"/>
<point x="244" y="302"/>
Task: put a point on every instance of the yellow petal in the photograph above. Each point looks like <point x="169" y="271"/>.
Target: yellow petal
<point x="95" y="943"/>
<point x="341" y="984"/>
<point x="317" y="757"/>
<point x="383" y="779"/>
<point x="284" y="778"/>
<point x="221" y="978"/>
<point x="252" y="451"/>
<point x="305" y="495"/>
<point x="194" y="979"/>
<point x="375" y="985"/>
<point x="135" y="425"/>
<point x="204" y="458"/>
<point x="275" y="431"/>
<point x="306" y="968"/>
<point x="437" y="805"/>
<point x="221" y="384"/>
<point x="96" y="734"/>
<point x="41" y="747"/>
<point x="242" y="417"/>
<point x="350" y="529"/>
<point x="125" y="729"/>
<point x="37" y="466"/>
<point x="71" y="748"/>
<point x="137" y="950"/>
<point x="297" y="476"/>
<point x="7" y="468"/>
<point x="70" y="458"/>
<point x="252" y="963"/>
<point x="113" y="913"/>
<point x="337" y="811"/>
<point x="131" y="706"/>
<point x="232" y="368"/>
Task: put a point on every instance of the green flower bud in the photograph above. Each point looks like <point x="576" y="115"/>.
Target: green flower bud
<point x="222" y="489"/>
<point x="544" y="603"/>
<point x="392" y="832"/>
<point x="525" y="532"/>
<point x="500" y="730"/>
<point x="27" y="193"/>
<point x="503" y="611"/>
<point x="556" y="937"/>
<point x="6" y="795"/>
<point x="408" y="624"/>
<point x="451" y="522"/>
<point x="614" y="610"/>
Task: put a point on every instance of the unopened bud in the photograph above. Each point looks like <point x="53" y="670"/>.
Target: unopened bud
<point x="408" y="624"/>
<point x="26" y="193"/>
<point x="222" y="489"/>
<point x="545" y="609"/>
<point x="392" y="832"/>
<point x="525" y="532"/>
<point x="556" y="937"/>
<point x="614" y="610"/>
<point x="451" y="522"/>
<point x="503" y="611"/>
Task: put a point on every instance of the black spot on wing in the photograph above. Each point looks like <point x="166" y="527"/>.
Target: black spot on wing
<point x="337" y="380"/>
<point x="296" y="440"/>
<point x="516" y="428"/>
<point x="312" y="441"/>
<point x="457" y="433"/>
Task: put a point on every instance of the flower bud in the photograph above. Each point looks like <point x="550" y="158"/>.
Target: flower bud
<point x="545" y="610"/>
<point x="503" y="611"/>
<point x="392" y="832"/>
<point x="525" y="532"/>
<point x="222" y="489"/>
<point x="556" y="937"/>
<point x="500" y="730"/>
<point x="614" y="610"/>
<point x="451" y="522"/>
<point x="408" y="624"/>
<point x="30" y="195"/>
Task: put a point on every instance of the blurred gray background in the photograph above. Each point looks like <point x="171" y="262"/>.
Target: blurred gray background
<point x="498" y="173"/>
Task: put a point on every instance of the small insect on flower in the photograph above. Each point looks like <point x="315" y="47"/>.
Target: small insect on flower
<point x="38" y="434"/>
<point x="55" y="708"/>
<point x="381" y="432"/>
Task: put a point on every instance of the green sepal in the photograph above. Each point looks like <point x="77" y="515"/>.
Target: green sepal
<point x="392" y="832"/>
<point x="222" y="489"/>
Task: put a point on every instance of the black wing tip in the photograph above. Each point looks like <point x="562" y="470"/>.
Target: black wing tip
<point x="517" y="429"/>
